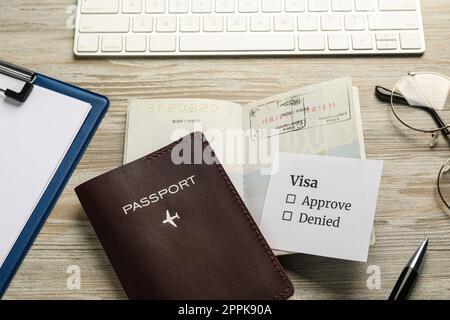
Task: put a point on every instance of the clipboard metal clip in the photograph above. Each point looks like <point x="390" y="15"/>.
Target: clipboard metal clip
<point x="19" y="73"/>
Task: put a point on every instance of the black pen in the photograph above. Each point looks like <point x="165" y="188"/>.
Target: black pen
<point x="405" y="282"/>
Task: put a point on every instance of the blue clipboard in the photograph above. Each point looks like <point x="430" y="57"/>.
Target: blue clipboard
<point x="99" y="107"/>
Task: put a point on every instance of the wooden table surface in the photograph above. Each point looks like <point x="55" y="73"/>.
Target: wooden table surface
<point x="39" y="35"/>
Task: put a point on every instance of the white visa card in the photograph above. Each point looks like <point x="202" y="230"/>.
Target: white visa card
<point x="321" y="205"/>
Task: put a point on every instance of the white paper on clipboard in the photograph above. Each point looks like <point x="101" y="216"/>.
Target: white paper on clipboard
<point x="34" y="139"/>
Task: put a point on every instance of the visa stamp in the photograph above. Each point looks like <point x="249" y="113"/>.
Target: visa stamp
<point x="301" y="112"/>
<point x="283" y="115"/>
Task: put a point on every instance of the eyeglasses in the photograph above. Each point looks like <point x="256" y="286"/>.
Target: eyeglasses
<point x="421" y="102"/>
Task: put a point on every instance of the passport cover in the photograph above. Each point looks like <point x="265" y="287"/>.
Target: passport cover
<point x="181" y="231"/>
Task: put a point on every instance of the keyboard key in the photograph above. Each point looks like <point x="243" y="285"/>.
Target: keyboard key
<point x="237" y="42"/>
<point x="201" y="6"/>
<point x="283" y="23"/>
<point x="178" y="6"/>
<point x="318" y="5"/>
<point x="397" y="5"/>
<point x="189" y="23"/>
<point x="236" y="23"/>
<point x="155" y="6"/>
<point x="87" y="43"/>
<point x="331" y="22"/>
<point x="166" y="24"/>
<point x="143" y="24"/>
<point x="362" y="41"/>
<point x="213" y="23"/>
<point x="131" y="6"/>
<point x="294" y="5"/>
<point x="341" y="5"/>
<point x="100" y="6"/>
<point x="387" y="45"/>
<point x="355" y="22"/>
<point x="136" y="43"/>
<point x="104" y="23"/>
<point x="260" y="23"/>
<point x="410" y="40"/>
<point x="163" y="43"/>
<point x="307" y="23"/>
<point x="338" y="41"/>
<point x="311" y="42"/>
<point x="271" y="5"/>
<point x="366" y="5"/>
<point x="224" y="6"/>
<point x="385" y="36"/>
<point x="112" y="43"/>
<point x="396" y="21"/>
<point x="248" y="6"/>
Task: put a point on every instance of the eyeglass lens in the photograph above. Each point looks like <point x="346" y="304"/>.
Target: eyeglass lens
<point x="421" y="101"/>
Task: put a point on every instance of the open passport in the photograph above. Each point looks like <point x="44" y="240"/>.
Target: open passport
<point x="318" y="119"/>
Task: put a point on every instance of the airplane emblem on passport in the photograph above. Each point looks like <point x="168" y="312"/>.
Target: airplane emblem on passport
<point x="170" y="219"/>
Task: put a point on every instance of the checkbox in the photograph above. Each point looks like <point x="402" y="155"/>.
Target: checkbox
<point x="290" y="198"/>
<point x="287" y="215"/>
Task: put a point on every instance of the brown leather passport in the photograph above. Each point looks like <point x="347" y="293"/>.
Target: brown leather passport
<point x="181" y="231"/>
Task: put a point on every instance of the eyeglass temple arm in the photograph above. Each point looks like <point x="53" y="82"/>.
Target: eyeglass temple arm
<point x="385" y="95"/>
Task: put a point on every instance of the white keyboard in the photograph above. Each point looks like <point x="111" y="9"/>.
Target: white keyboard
<point x="248" y="27"/>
